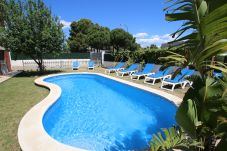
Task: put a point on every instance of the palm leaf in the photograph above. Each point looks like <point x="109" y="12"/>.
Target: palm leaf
<point x="171" y="138"/>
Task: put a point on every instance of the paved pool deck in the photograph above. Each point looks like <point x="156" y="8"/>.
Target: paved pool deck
<point x="8" y="76"/>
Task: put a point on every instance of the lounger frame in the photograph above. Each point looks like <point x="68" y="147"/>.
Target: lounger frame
<point x="120" y="73"/>
<point x="154" y="79"/>
<point x="137" y="77"/>
<point x="75" y="68"/>
<point x="183" y="83"/>
<point x="91" y="68"/>
<point x="113" y="70"/>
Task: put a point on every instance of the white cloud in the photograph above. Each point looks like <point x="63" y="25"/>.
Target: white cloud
<point x="155" y="39"/>
<point x="65" y="24"/>
<point x="140" y="35"/>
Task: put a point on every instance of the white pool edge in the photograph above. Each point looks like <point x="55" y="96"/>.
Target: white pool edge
<point x="31" y="133"/>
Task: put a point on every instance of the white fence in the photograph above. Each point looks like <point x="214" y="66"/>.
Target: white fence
<point x="48" y="63"/>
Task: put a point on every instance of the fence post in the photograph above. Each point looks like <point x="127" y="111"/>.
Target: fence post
<point x="23" y="64"/>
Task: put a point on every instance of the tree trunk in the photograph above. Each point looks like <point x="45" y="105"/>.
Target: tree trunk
<point x="41" y="67"/>
<point x="39" y="62"/>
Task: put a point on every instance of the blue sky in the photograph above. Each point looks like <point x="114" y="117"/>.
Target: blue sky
<point x="142" y="18"/>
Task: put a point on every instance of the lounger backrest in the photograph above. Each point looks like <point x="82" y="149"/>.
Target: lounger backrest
<point x="178" y="77"/>
<point x="120" y="65"/>
<point x="160" y="72"/>
<point x="76" y="63"/>
<point x="91" y="63"/>
<point x="133" y="66"/>
<point x="148" y="67"/>
<point x="190" y="72"/>
<point x="167" y="71"/>
<point x="184" y="73"/>
<point x="217" y="74"/>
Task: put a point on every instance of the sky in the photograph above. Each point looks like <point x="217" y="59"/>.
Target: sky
<point x="144" y="19"/>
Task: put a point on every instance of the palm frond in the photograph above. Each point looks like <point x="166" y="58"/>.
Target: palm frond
<point x="172" y="138"/>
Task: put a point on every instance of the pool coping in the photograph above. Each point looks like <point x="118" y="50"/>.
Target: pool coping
<point x="31" y="133"/>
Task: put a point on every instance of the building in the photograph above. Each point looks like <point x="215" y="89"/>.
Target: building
<point x="5" y="61"/>
<point x="172" y="44"/>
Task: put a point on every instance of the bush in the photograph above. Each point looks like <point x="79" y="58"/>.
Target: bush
<point x="141" y="56"/>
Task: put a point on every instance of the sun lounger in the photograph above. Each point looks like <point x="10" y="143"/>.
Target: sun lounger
<point x="119" y="66"/>
<point x="129" y="71"/>
<point x="166" y="73"/>
<point x="146" y="71"/>
<point x="178" y="80"/>
<point x="75" y="65"/>
<point x="91" y="65"/>
<point x="217" y="74"/>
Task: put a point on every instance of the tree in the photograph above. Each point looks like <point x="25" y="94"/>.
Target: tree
<point x="121" y="39"/>
<point x="78" y="35"/>
<point x="99" y="37"/>
<point x="78" y="43"/>
<point x="84" y="34"/>
<point x="31" y="30"/>
<point x="2" y="15"/>
<point x="203" y="112"/>
<point x="153" y="46"/>
<point x="2" y="18"/>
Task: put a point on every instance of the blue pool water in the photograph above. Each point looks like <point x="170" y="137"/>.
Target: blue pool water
<point x="96" y="113"/>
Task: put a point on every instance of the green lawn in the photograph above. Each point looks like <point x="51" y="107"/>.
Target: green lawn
<point x="19" y="94"/>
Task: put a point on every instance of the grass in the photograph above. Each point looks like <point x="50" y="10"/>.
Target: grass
<point x="19" y="94"/>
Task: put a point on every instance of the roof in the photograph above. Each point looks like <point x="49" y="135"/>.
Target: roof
<point x="2" y="48"/>
<point x="172" y="44"/>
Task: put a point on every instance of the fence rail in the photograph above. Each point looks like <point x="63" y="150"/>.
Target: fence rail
<point x="60" y="56"/>
<point x="49" y="64"/>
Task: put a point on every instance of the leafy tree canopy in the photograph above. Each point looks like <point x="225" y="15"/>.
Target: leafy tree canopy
<point x="84" y="35"/>
<point x="122" y="39"/>
<point x="153" y="46"/>
<point x="31" y="30"/>
<point x="98" y="37"/>
<point x="2" y="15"/>
<point x="78" y="35"/>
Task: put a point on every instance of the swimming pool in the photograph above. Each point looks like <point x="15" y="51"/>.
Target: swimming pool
<point x="98" y="113"/>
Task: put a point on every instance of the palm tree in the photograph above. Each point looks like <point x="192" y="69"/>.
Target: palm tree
<point x="203" y="35"/>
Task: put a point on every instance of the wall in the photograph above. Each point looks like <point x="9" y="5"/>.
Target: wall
<point x="48" y="63"/>
<point x="5" y="64"/>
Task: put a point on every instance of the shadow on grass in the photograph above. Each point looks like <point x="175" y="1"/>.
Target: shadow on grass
<point x="37" y="73"/>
